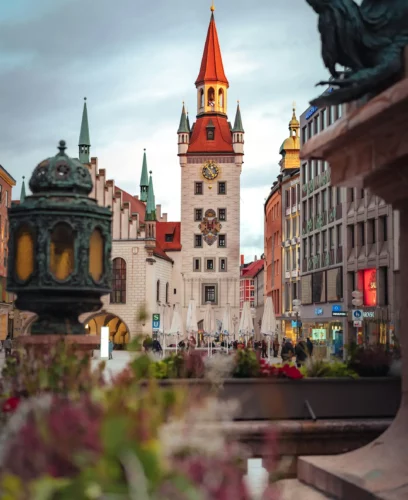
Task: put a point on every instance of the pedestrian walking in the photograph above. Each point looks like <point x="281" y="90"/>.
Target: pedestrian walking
<point x="110" y="349"/>
<point x="301" y="352"/>
<point x="275" y="346"/>
<point x="309" y="346"/>
<point x="7" y="344"/>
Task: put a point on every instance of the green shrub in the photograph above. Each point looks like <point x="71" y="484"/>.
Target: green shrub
<point x="323" y="369"/>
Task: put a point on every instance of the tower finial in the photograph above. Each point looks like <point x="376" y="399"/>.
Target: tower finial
<point x="212" y="8"/>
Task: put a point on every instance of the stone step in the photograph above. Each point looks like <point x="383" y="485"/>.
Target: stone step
<point x="293" y="489"/>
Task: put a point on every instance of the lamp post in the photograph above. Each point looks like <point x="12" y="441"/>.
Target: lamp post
<point x="234" y="322"/>
<point x="296" y="308"/>
<point x="357" y="301"/>
<point x="59" y="247"/>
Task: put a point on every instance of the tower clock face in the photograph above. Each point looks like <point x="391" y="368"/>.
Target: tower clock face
<point x="210" y="170"/>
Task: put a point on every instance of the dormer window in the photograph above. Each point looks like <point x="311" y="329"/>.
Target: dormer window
<point x="169" y="238"/>
<point x="210" y="131"/>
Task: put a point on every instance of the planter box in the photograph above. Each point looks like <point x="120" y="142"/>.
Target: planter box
<point x="277" y="399"/>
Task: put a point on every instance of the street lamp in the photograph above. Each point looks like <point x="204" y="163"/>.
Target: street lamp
<point x="296" y="308"/>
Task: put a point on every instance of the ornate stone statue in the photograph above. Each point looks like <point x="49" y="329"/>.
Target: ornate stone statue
<point x="367" y="40"/>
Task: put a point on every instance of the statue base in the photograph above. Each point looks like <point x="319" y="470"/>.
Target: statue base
<point x="368" y="149"/>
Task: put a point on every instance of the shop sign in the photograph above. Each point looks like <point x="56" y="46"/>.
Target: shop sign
<point x="339" y="313"/>
<point x="319" y="311"/>
<point x="296" y="324"/>
<point x="357" y="324"/>
<point x="357" y="314"/>
<point x="336" y="308"/>
<point x="368" y="314"/>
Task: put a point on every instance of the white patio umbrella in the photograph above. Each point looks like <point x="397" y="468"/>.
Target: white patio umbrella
<point x="191" y="323"/>
<point x="246" y="324"/>
<point x="268" y="325"/>
<point x="227" y="323"/>
<point x="165" y="323"/>
<point x="176" y="328"/>
<point x="209" y="324"/>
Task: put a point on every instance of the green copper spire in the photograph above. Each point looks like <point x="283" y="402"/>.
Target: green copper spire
<point x="238" y="127"/>
<point x="144" y="179"/>
<point x="84" y="142"/>
<point x="151" y="202"/>
<point x="183" y="127"/>
<point x="188" y="123"/>
<point x="23" y="191"/>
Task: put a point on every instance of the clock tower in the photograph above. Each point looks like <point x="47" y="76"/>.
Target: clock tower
<point x="211" y="157"/>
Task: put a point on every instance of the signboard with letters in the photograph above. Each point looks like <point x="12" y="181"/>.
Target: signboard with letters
<point x="155" y="321"/>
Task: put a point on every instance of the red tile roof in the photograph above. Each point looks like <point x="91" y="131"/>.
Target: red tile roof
<point x="174" y="228"/>
<point x="212" y="69"/>
<point x="136" y="206"/>
<point x="158" y="252"/>
<point x="252" y="269"/>
<point x="222" y="142"/>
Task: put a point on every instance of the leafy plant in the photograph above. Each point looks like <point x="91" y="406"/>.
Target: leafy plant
<point x="318" y="368"/>
<point x="370" y="361"/>
<point x="247" y="364"/>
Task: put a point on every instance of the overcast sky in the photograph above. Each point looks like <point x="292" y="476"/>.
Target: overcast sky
<point x="136" y="62"/>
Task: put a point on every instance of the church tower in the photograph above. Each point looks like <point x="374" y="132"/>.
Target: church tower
<point x="211" y="157"/>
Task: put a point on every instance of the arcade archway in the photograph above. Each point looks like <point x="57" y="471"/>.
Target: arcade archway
<point x="118" y="330"/>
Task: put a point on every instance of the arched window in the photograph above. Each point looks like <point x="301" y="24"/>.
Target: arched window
<point x="167" y="293"/>
<point x="221" y="99"/>
<point x="158" y="291"/>
<point x="118" y="295"/>
<point x="201" y="98"/>
<point x="211" y="98"/>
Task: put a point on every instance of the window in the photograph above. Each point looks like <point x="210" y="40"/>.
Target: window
<point x="317" y="243"/>
<point x="222" y="240"/>
<point x="305" y="248"/>
<point x="338" y="195"/>
<point x="252" y="293"/>
<point x="167" y="293"/>
<point x="351" y="194"/>
<point x="201" y="98"/>
<point x="383" y="227"/>
<point x="310" y="246"/>
<point x="293" y="196"/>
<point x="169" y="237"/>
<point x="304" y="210"/>
<point x="209" y="264"/>
<point x="298" y="193"/>
<point x="210" y="133"/>
<point x="174" y="291"/>
<point x="252" y="282"/>
<point x="288" y="229"/>
<point x="331" y="197"/>
<point x="158" y="291"/>
<point x="197" y="265"/>
<point x="222" y="188"/>
<point x="210" y="294"/>
<point x="324" y="239"/>
<point x="339" y="236"/>
<point x="198" y="214"/>
<point x="198" y="188"/>
<point x="324" y="200"/>
<point x="317" y="204"/>
<point x="309" y="130"/>
<point x="350" y="230"/>
<point x="6" y="199"/>
<point x="316" y="167"/>
<point x="371" y="231"/>
<point x="304" y="173"/>
<point x="287" y="260"/>
<point x="294" y="260"/>
<point x="331" y="238"/>
<point x="287" y="198"/>
<point x="118" y="294"/>
<point x="222" y="214"/>
<point x="310" y="170"/>
<point x="361" y="234"/>
<point x="198" y="240"/>
<point x="223" y="265"/>
<point x="304" y="138"/>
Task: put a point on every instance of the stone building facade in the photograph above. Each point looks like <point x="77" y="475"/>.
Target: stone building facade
<point x="211" y="157"/>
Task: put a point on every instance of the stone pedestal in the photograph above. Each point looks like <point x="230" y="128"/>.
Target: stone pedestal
<point x="368" y="148"/>
<point x="83" y="343"/>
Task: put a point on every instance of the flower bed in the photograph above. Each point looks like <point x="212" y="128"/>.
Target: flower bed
<point x="66" y="434"/>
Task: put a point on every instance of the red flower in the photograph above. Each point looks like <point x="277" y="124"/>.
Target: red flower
<point x="10" y="405"/>
<point x="291" y="372"/>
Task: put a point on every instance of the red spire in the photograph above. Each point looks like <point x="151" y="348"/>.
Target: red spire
<point x="212" y="69"/>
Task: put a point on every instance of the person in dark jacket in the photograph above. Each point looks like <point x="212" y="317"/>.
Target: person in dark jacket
<point x="309" y="346"/>
<point x="301" y="352"/>
<point x="287" y="350"/>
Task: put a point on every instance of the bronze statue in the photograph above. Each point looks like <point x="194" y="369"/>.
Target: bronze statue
<point x="367" y="40"/>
